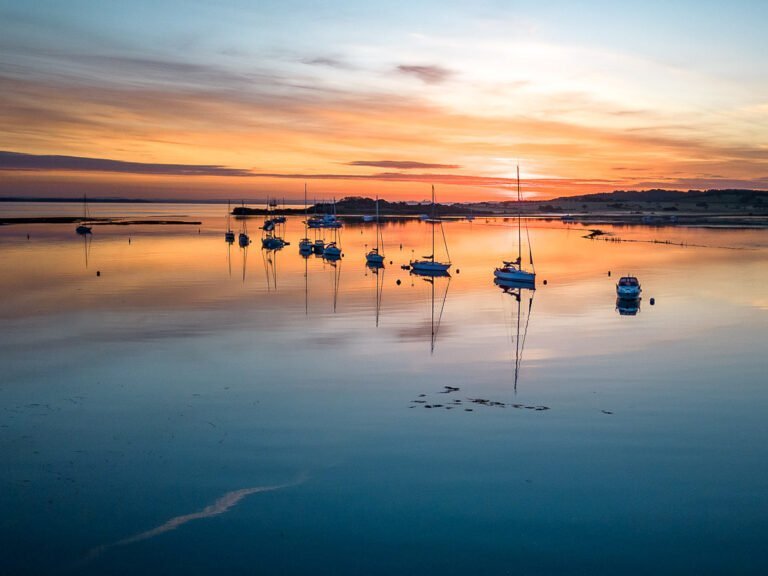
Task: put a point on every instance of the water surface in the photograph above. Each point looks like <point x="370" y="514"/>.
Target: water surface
<point x="197" y="408"/>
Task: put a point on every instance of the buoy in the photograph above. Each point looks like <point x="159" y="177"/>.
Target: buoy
<point x="653" y="301"/>
<point x="398" y="282"/>
<point x="390" y="262"/>
<point x="609" y="273"/>
<point x="457" y="270"/>
<point x="98" y="273"/>
<point x="545" y="282"/>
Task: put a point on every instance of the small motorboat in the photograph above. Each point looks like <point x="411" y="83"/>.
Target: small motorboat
<point x="628" y="288"/>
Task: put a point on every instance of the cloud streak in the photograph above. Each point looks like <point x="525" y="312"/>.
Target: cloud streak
<point x="427" y="74"/>
<point x="401" y="164"/>
<point x="33" y="162"/>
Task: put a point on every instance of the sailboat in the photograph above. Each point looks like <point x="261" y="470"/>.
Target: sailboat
<point x="429" y="265"/>
<point x="374" y="256"/>
<point x="82" y="228"/>
<point x="331" y="251"/>
<point x="243" y="239"/>
<point x="513" y="271"/>
<point x="305" y="244"/>
<point x="271" y="240"/>
<point x="229" y="236"/>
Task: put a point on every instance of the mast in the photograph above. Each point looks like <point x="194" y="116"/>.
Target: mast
<point x="377" y="224"/>
<point x="519" y="237"/>
<point x="433" y="222"/>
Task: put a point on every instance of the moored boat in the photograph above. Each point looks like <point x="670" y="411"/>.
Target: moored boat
<point x="628" y="288"/>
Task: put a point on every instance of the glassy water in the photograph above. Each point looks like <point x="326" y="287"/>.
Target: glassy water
<point x="174" y="405"/>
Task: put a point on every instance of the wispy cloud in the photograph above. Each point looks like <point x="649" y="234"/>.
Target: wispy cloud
<point x="34" y="162"/>
<point x="401" y="164"/>
<point x="429" y="74"/>
<point x="328" y="61"/>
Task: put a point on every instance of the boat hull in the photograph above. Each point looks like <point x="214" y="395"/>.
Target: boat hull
<point x="273" y="243"/>
<point x="429" y="267"/>
<point x="507" y="285"/>
<point x="243" y="240"/>
<point x="514" y="275"/>
<point x="83" y="229"/>
<point x="374" y="258"/>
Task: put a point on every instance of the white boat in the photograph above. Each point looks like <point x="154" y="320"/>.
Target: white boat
<point x="428" y="264"/>
<point x="272" y="238"/>
<point x="229" y="236"/>
<point x="326" y="220"/>
<point x="512" y="271"/>
<point x="628" y="288"/>
<point x="375" y="255"/>
<point x="82" y="228"/>
<point x="331" y="250"/>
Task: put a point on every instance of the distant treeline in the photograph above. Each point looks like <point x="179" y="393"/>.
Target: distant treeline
<point x="661" y="195"/>
<point x="361" y="205"/>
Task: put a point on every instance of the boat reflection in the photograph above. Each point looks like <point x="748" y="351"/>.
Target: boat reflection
<point x="626" y="307"/>
<point x="87" y="239"/>
<point x="269" y="257"/>
<point x="432" y="278"/>
<point x="377" y="271"/>
<point x="244" y="250"/>
<point x="335" y="264"/>
<point x="518" y="291"/>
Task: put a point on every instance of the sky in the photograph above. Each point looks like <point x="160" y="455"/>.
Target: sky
<point x="248" y="99"/>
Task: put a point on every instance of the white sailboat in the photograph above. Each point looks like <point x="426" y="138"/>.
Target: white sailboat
<point x="513" y="271"/>
<point x="375" y="256"/>
<point x="82" y="228"/>
<point x="271" y="238"/>
<point x="428" y="264"/>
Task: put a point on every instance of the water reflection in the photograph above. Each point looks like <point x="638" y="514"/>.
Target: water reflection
<point x="519" y="291"/>
<point x="244" y="250"/>
<point x="433" y="278"/>
<point x="627" y="307"/>
<point x="87" y="239"/>
<point x="269" y="257"/>
<point x="377" y="272"/>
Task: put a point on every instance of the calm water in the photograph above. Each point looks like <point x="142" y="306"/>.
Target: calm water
<point x="199" y="409"/>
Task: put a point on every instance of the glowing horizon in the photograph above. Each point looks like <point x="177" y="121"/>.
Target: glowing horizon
<point x="202" y="100"/>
